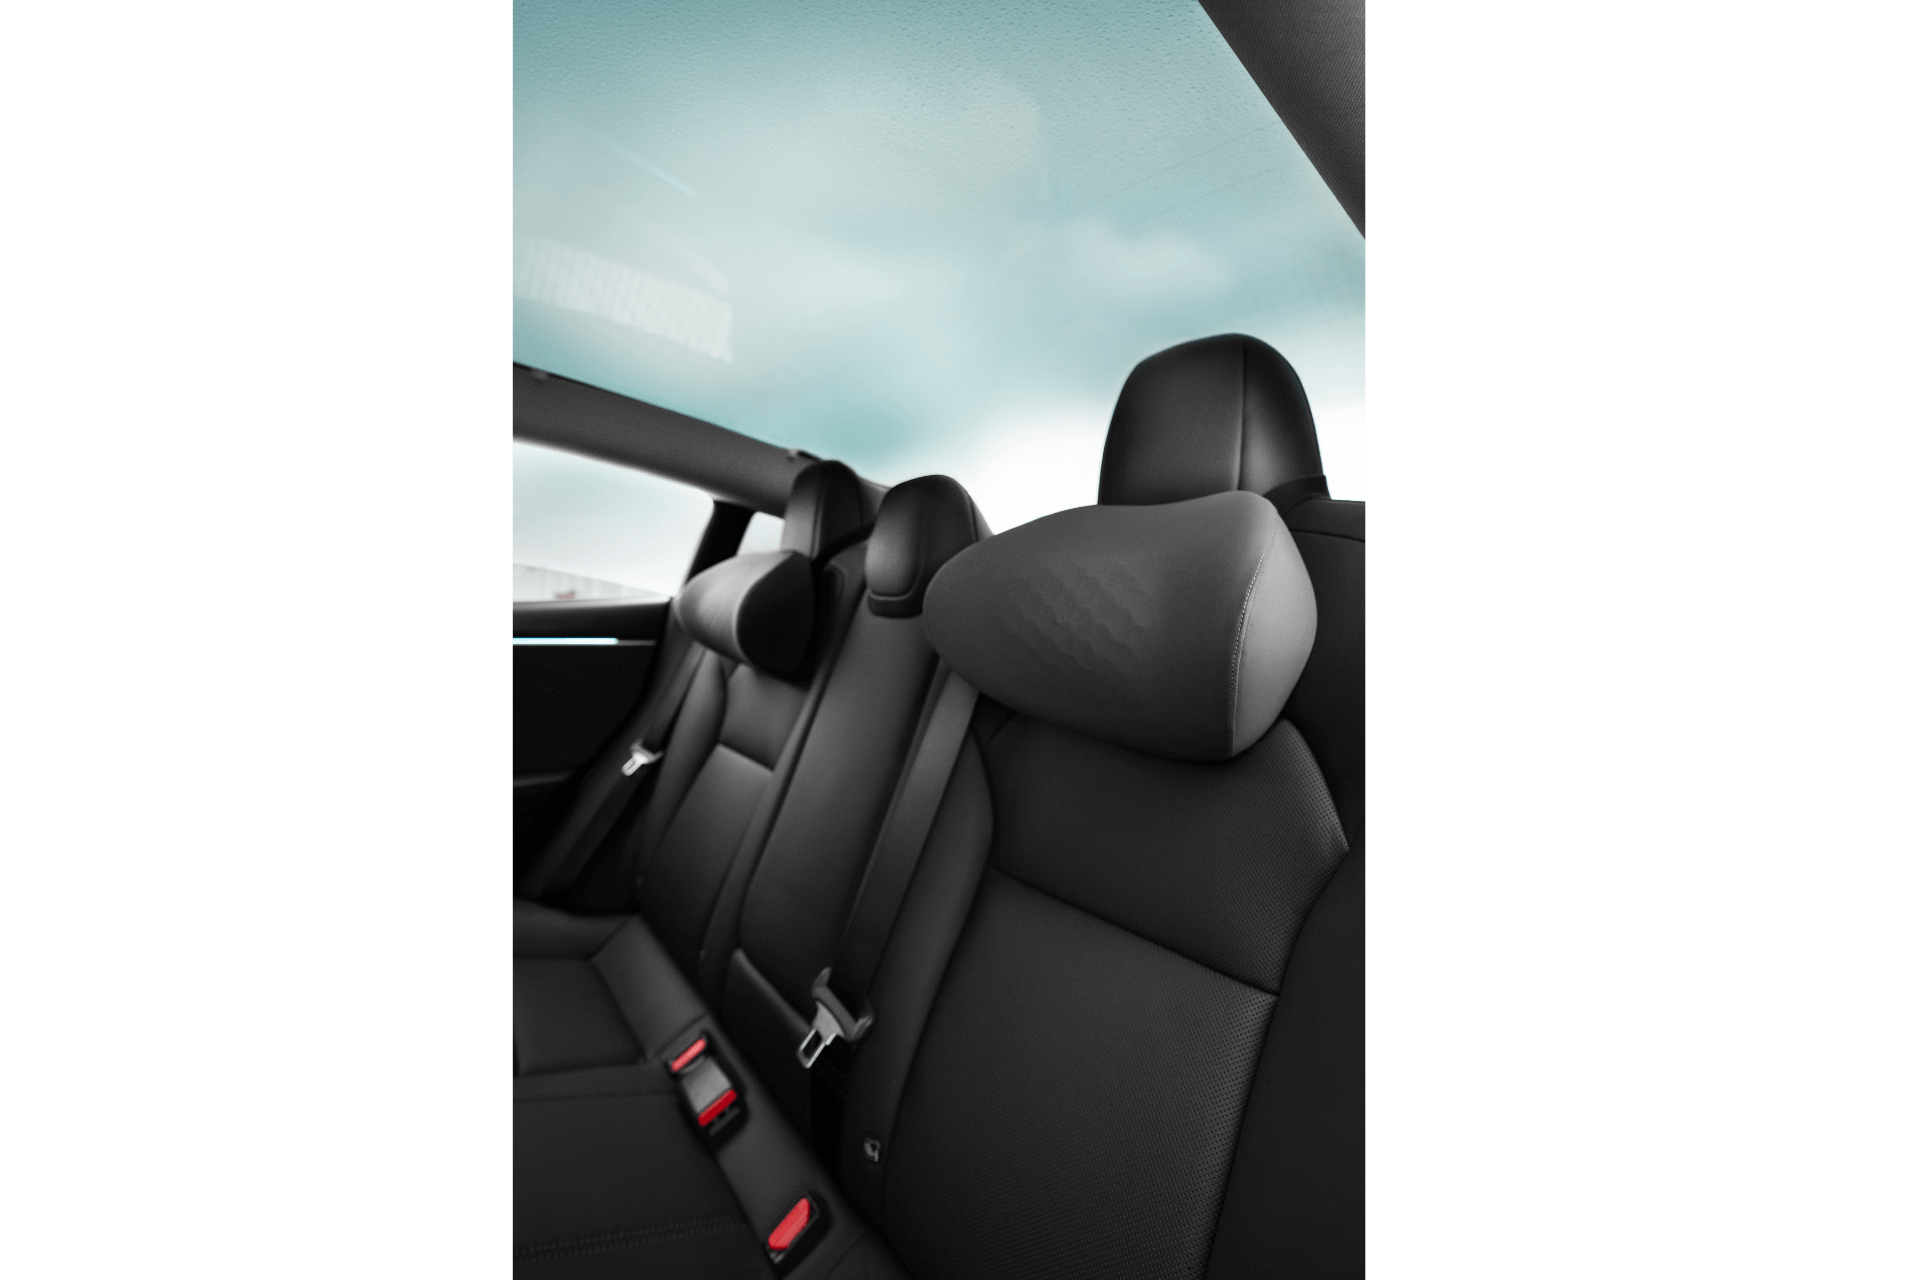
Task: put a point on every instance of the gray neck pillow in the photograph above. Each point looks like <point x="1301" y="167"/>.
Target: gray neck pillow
<point x="1178" y="630"/>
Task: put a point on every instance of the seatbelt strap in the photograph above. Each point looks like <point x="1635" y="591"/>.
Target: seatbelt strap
<point x="650" y="743"/>
<point x="841" y="1011"/>
<point x="612" y="783"/>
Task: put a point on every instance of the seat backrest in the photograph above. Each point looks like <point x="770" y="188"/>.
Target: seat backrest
<point x="1229" y="412"/>
<point x="766" y="625"/>
<point x="1117" y="1030"/>
<point x="779" y="925"/>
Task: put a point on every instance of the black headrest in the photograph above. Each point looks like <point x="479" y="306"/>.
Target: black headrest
<point x="823" y="510"/>
<point x="1178" y="629"/>
<point x="1208" y="417"/>
<point x="755" y="608"/>
<point x="921" y="525"/>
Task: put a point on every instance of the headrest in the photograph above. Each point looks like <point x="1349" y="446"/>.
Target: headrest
<point x="921" y="525"/>
<point x="1177" y="630"/>
<point x="1208" y="417"/>
<point x="823" y="510"/>
<point x="755" y="608"/>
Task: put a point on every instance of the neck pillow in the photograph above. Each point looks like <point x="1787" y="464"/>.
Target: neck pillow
<point x="1178" y="629"/>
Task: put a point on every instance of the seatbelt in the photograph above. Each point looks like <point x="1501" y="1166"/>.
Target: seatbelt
<point x="612" y="783"/>
<point x="841" y="988"/>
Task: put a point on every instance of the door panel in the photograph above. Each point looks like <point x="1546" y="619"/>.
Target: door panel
<point x="570" y="698"/>
<point x="621" y="619"/>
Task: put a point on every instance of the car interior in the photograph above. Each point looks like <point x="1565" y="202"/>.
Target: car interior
<point x="919" y="898"/>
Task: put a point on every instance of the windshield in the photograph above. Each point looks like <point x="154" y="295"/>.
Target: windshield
<point x="917" y="239"/>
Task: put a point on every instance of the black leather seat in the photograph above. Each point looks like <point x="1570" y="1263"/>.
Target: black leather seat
<point x="594" y="1146"/>
<point x="595" y="990"/>
<point x="1229" y="412"/>
<point x="1137" y="1048"/>
<point x="1117" y="1024"/>
<point x="780" y="928"/>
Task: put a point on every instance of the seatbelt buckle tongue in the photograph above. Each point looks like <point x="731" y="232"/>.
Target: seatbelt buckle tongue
<point x="640" y="759"/>
<point x="831" y="1021"/>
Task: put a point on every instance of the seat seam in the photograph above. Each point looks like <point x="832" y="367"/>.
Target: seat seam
<point x="1134" y="933"/>
<point x="638" y="831"/>
<point x="1240" y="449"/>
<point x="592" y="965"/>
<point x="628" y="1239"/>
<point x="1322" y="533"/>
<point x="723" y="746"/>
<point x="1240" y="641"/>
<point x="604" y="1092"/>
<point x="613" y="997"/>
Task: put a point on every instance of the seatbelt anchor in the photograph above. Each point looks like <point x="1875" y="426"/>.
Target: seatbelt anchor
<point x="640" y="759"/>
<point x="831" y="1021"/>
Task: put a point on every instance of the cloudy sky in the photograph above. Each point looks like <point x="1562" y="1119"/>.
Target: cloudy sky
<point x="915" y="238"/>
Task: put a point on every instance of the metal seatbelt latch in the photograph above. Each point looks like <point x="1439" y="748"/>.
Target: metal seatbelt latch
<point x="831" y="1021"/>
<point x="640" y="759"/>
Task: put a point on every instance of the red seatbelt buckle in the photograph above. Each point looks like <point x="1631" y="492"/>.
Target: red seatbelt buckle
<point x="680" y="1061"/>
<point x="803" y="1224"/>
<point x="710" y="1095"/>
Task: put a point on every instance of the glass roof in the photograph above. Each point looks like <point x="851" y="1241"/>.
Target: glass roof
<point x="916" y="237"/>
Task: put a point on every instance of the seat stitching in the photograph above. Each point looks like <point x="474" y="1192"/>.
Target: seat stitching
<point x="628" y="1239"/>
<point x="1131" y="932"/>
<point x="633" y="1031"/>
<point x="1240" y="638"/>
<point x="630" y="1092"/>
<point x="1240" y="452"/>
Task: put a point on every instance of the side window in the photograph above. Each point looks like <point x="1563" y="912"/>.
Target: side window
<point x="763" y="533"/>
<point x="589" y="530"/>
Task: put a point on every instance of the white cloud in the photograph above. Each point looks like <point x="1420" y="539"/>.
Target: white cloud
<point x="1021" y="468"/>
<point x="1025" y="466"/>
<point x="1155" y="268"/>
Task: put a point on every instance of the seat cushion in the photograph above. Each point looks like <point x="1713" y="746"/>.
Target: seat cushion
<point x="616" y="1183"/>
<point x="593" y="1147"/>
<point x="592" y="991"/>
<point x="559" y="935"/>
<point x="564" y="1017"/>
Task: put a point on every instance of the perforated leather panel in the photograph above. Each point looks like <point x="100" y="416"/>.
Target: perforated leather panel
<point x="1217" y="862"/>
<point x="686" y="874"/>
<point x="1083" y="1075"/>
<point x="1176" y="630"/>
<point x="1078" y="1089"/>
<point x="625" y="1191"/>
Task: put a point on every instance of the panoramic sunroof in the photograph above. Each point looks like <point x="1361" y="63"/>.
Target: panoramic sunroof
<point x="916" y="238"/>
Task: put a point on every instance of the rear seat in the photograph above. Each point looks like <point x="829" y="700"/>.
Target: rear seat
<point x="582" y="991"/>
<point x="730" y="915"/>
<point x="1116" y="1027"/>
<point x="599" y="1153"/>
<point x="778" y="930"/>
